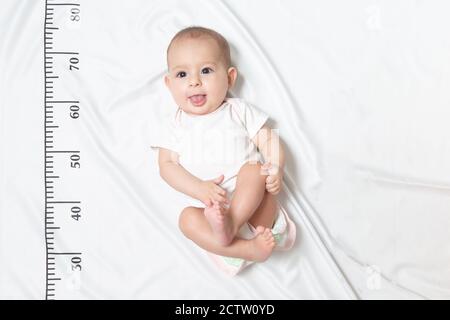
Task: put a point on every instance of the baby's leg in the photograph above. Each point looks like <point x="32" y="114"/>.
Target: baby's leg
<point x="194" y="226"/>
<point x="248" y="197"/>
<point x="266" y="213"/>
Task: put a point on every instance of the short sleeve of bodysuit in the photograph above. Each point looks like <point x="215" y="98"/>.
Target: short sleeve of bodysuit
<point x="165" y="135"/>
<point x="252" y="117"/>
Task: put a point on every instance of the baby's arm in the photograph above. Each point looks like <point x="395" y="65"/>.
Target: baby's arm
<point x="268" y="143"/>
<point x="181" y="180"/>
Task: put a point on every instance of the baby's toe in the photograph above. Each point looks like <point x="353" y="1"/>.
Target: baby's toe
<point x="260" y="230"/>
<point x="267" y="233"/>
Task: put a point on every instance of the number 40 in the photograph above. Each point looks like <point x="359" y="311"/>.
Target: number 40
<point x="76" y="213"/>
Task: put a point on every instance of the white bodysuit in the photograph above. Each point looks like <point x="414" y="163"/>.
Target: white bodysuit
<point x="215" y="143"/>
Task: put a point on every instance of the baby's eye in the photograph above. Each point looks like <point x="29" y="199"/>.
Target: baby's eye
<point x="181" y="74"/>
<point x="207" y="70"/>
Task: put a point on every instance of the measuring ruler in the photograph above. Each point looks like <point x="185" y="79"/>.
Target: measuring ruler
<point x="63" y="207"/>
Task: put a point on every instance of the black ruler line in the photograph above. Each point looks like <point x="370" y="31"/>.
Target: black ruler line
<point x="45" y="159"/>
<point x="51" y="49"/>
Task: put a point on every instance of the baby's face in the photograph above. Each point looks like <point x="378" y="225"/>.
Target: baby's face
<point x="198" y="77"/>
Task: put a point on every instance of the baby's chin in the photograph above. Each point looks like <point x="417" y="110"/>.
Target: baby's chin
<point x="202" y="110"/>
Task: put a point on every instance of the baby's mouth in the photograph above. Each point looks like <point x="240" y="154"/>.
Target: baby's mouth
<point x="198" y="99"/>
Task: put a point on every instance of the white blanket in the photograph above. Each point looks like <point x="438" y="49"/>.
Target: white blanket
<point x="357" y="89"/>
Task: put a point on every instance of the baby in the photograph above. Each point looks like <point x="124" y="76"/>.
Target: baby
<point x="215" y="146"/>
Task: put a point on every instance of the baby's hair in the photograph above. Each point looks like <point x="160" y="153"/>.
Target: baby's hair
<point x="196" y="32"/>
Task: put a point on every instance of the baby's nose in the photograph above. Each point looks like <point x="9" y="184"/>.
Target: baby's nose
<point x="194" y="81"/>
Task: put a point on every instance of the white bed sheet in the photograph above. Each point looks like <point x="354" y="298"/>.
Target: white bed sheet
<point x="357" y="89"/>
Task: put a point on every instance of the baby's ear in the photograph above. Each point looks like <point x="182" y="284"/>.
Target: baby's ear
<point x="232" y="75"/>
<point x="166" y="80"/>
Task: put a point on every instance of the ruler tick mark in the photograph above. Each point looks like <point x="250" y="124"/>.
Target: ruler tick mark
<point x="63" y="4"/>
<point x="67" y="253"/>
<point x="59" y="151"/>
<point x="64" y="202"/>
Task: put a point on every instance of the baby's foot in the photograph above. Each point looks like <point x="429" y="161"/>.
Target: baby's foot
<point x="220" y="222"/>
<point x="262" y="245"/>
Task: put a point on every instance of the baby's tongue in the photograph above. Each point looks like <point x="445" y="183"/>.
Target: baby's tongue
<point x="197" y="99"/>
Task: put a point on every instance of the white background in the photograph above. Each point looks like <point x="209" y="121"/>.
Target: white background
<point x="357" y="89"/>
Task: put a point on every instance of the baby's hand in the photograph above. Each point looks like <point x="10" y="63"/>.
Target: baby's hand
<point x="274" y="178"/>
<point x="210" y="191"/>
